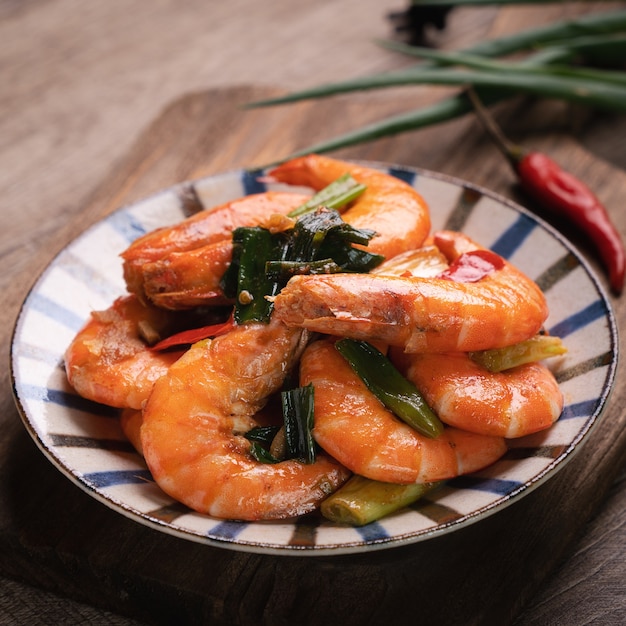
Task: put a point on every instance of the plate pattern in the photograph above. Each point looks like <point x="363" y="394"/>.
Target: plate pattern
<point x="84" y="441"/>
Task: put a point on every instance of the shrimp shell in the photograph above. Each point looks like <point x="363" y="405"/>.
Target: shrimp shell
<point x="197" y="414"/>
<point x="353" y="426"/>
<point x="389" y="206"/>
<point x="513" y="403"/>
<point x="417" y="313"/>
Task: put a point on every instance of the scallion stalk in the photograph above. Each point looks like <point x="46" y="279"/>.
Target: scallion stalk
<point x="534" y="349"/>
<point x="397" y="393"/>
<point x="361" y="501"/>
<point x="298" y="414"/>
<point x="334" y="196"/>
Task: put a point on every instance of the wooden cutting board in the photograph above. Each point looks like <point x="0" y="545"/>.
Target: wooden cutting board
<point x="55" y="536"/>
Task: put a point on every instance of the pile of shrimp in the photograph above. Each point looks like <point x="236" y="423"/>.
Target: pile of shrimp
<point x="187" y="411"/>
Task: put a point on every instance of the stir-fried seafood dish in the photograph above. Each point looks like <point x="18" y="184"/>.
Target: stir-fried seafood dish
<point x="286" y="353"/>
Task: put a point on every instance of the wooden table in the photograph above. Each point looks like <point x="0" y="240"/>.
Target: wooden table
<point x="104" y="103"/>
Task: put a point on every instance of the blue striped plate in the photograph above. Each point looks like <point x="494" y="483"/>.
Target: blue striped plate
<point x="84" y="441"/>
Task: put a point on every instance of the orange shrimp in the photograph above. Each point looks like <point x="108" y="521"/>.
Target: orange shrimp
<point x="197" y="414"/>
<point x="389" y="206"/>
<point x="417" y="313"/>
<point x="180" y="266"/>
<point x="512" y="403"/>
<point x="354" y="427"/>
<point x="109" y="361"/>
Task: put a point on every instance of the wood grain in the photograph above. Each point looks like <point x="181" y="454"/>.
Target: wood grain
<point x="82" y="549"/>
<point x="84" y="83"/>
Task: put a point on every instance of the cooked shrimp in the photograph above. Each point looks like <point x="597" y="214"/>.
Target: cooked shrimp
<point x="353" y="426"/>
<point x="389" y="206"/>
<point x="180" y="266"/>
<point x="109" y="362"/>
<point x="419" y="314"/>
<point x="197" y="414"/>
<point x="513" y="403"/>
<point x="130" y="421"/>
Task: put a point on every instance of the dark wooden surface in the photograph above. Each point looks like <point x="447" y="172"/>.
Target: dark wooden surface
<point x="556" y="556"/>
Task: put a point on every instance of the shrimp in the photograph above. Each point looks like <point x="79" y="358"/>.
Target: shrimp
<point x="417" y="313"/>
<point x="180" y="266"/>
<point x="354" y="427"/>
<point x="130" y="422"/>
<point x="512" y="403"/>
<point x="196" y="416"/>
<point x="109" y="360"/>
<point x="389" y="206"/>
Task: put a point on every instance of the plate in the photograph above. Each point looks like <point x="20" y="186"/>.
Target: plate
<point x="84" y="441"/>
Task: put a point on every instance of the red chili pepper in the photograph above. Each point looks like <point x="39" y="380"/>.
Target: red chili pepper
<point x="563" y="194"/>
<point x="568" y="197"/>
<point x="188" y="337"/>
<point x="470" y="267"/>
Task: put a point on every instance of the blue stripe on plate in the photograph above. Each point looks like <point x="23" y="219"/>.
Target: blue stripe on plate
<point x="514" y="236"/>
<point x="97" y="281"/>
<point x="126" y="224"/>
<point x="227" y="530"/>
<point x="372" y="532"/>
<point x="63" y="398"/>
<point x="251" y="183"/>
<point x="37" y="353"/>
<point x="589" y="314"/>
<point x="402" y="174"/>
<point x="117" y="477"/>
<point x="55" y="311"/>
<point x="492" y="485"/>
<point x="579" y="409"/>
<point x="97" y="443"/>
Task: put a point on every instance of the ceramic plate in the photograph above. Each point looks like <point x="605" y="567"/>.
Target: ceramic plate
<point x="84" y="440"/>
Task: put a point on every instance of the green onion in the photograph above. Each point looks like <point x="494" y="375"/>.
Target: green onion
<point x="397" y="393"/>
<point x="609" y="96"/>
<point x="298" y="408"/>
<point x="534" y="349"/>
<point x="586" y="34"/>
<point x="245" y="279"/>
<point x="481" y="63"/>
<point x="261" y="438"/>
<point x="334" y="196"/>
<point x="361" y="501"/>
<point x="458" y="3"/>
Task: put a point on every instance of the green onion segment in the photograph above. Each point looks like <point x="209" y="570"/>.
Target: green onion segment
<point x="397" y="393"/>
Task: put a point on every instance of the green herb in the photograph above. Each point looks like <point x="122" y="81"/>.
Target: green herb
<point x="246" y="280"/>
<point x="261" y="438"/>
<point x="361" y="501"/>
<point x="397" y="393"/>
<point x="262" y="261"/>
<point x="298" y="409"/>
<point x="334" y="196"/>
<point x="534" y="349"/>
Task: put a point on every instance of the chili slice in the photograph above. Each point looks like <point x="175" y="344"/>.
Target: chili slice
<point x="187" y="337"/>
<point x="470" y="267"/>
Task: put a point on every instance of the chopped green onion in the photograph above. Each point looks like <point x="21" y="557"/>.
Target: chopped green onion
<point x="361" y="501"/>
<point x="261" y="454"/>
<point x="262" y="261"/>
<point x="397" y="393"/>
<point x="246" y="280"/>
<point x="334" y="196"/>
<point x="534" y="349"/>
<point x="298" y="413"/>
